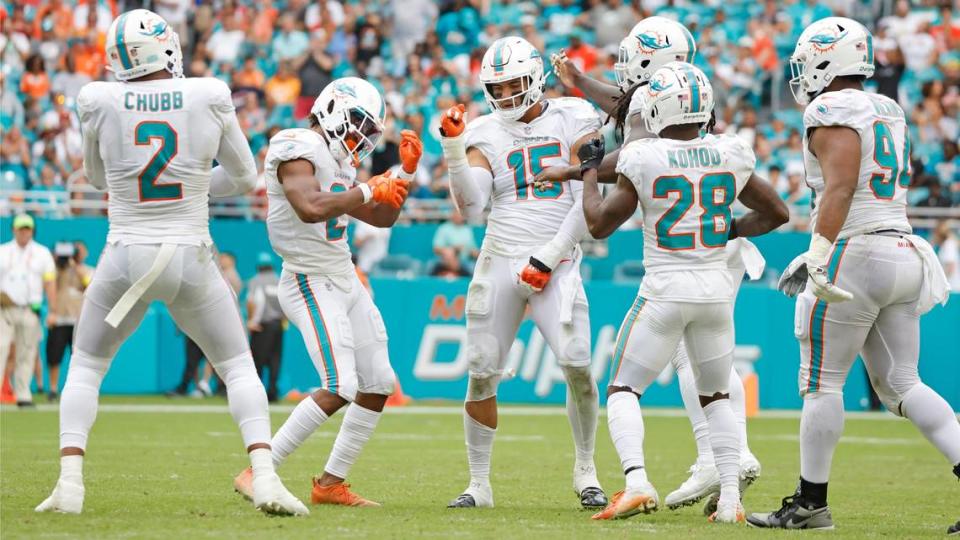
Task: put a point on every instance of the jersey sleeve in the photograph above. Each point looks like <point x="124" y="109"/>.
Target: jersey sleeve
<point x="475" y="136"/>
<point x="221" y="98"/>
<point x="581" y="118"/>
<point x="88" y="110"/>
<point x="741" y="158"/>
<point x="837" y="109"/>
<point x="630" y="162"/>
<point x="292" y="144"/>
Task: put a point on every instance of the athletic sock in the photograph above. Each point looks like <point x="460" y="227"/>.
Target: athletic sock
<point x="583" y="410"/>
<point x="306" y="417"/>
<point x="821" y="423"/>
<point x="246" y="398"/>
<point x="261" y="462"/>
<point x="80" y="397"/>
<point x="814" y="494"/>
<point x="724" y="439"/>
<point x="691" y="402"/>
<point x="479" y="440"/>
<point x="358" y="425"/>
<point x="626" y="429"/>
<point x="71" y="469"/>
<point x="934" y="417"/>
<point x="739" y="406"/>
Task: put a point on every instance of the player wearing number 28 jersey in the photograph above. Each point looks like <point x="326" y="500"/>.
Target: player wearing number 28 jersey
<point x="530" y="255"/>
<point x="150" y="140"/>
<point x="684" y="182"/>
<point x="866" y="280"/>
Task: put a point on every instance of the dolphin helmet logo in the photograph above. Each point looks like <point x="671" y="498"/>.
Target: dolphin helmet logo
<point x="344" y="89"/>
<point x="651" y="42"/>
<point x="155" y="28"/>
<point x="827" y="40"/>
<point x="658" y="84"/>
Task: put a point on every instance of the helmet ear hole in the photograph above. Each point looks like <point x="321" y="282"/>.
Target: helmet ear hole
<point x="823" y="65"/>
<point x="645" y="63"/>
<point x="330" y="106"/>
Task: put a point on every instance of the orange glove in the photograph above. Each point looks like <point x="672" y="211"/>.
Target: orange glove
<point x="453" y="121"/>
<point x="411" y="148"/>
<point x="535" y="275"/>
<point x="388" y="190"/>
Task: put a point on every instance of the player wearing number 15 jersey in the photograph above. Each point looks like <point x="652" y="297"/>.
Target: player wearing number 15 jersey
<point x="865" y="280"/>
<point x="685" y="184"/>
<point x="530" y="255"/>
<point x="150" y="140"/>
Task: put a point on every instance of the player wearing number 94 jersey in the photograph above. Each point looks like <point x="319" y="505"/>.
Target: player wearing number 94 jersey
<point x="150" y="140"/>
<point x="865" y="280"/>
<point x="530" y="255"/>
<point x="684" y="184"/>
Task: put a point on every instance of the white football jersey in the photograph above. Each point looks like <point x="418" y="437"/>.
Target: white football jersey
<point x="522" y="217"/>
<point x="307" y="248"/>
<point x="881" y="197"/>
<point x="157" y="141"/>
<point x="686" y="189"/>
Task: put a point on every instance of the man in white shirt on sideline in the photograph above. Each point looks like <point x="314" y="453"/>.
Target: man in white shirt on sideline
<point x="26" y="272"/>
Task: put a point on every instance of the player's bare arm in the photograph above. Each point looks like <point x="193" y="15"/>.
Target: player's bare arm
<point x="604" y="95"/>
<point x="606" y="173"/>
<point x="767" y="210"/>
<point x="834" y="147"/>
<point x="604" y="216"/>
<point x="314" y="206"/>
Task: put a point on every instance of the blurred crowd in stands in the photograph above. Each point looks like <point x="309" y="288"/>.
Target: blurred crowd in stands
<point x="424" y="54"/>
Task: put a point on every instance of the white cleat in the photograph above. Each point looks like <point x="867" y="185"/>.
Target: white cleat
<point x="704" y="480"/>
<point x="728" y="513"/>
<point x="271" y="497"/>
<point x="749" y="473"/>
<point x="477" y="495"/>
<point x="67" y="498"/>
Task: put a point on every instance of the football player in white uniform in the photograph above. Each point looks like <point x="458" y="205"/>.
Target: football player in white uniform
<point x="150" y="140"/>
<point x="530" y="255"/>
<point x="313" y="190"/>
<point x="866" y="280"/>
<point x="685" y="184"/>
<point x="651" y="44"/>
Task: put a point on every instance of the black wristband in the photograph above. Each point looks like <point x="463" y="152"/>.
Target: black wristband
<point x="733" y="230"/>
<point x="539" y="265"/>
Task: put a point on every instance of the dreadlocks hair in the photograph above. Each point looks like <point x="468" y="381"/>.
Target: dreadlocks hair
<point x="619" y="114"/>
<point x="712" y="122"/>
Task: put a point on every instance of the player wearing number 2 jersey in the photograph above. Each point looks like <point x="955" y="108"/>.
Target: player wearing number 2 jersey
<point x="150" y="140"/>
<point x="866" y="280"/>
<point x="530" y="255"/>
<point x="684" y="183"/>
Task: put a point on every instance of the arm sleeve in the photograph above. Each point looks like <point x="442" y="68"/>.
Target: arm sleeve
<point x="572" y="229"/>
<point x="93" y="167"/>
<point x="470" y="186"/>
<point x="237" y="172"/>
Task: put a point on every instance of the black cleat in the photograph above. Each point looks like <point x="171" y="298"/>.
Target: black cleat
<point x="954" y="530"/>
<point x="463" y="501"/>
<point x="592" y="498"/>
<point x="794" y="514"/>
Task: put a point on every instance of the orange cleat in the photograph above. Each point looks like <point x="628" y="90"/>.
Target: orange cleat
<point x="624" y="504"/>
<point x="243" y="483"/>
<point x="337" y="494"/>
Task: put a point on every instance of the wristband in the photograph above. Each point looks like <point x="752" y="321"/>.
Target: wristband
<point x="367" y="192"/>
<point x="539" y="265"/>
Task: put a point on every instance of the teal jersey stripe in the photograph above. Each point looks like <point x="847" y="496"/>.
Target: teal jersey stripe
<point x="625" y="335"/>
<point x="121" y="46"/>
<point x="817" y="320"/>
<point x="690" y="45"/>
<point x="320" y="330"/>
<point x="694" y="90"/>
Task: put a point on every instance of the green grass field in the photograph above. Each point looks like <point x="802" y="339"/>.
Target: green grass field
<point x="168" y="475"/>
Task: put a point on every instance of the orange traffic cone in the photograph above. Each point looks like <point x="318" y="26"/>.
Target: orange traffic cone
<point x="6" y="392"/>
<point x="398" y="398"/>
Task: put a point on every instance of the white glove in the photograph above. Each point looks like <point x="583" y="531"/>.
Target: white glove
<point x="812" y="265"/>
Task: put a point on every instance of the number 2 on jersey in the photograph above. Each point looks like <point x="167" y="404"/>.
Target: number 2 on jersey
<point x="885" y="156"/>
<point x="710" y="235"/>
<point x="143" y="135"/>
<point x="334" y="229"/>
<point x="517" y="161"/>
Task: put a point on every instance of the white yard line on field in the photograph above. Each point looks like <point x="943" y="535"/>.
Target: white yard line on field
<point x="510" y="410"/>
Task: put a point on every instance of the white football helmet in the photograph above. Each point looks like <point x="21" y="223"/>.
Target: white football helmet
<point x="507" y="59"/>
<point x="351" y="112"/>
<point x="139" y="43"/>
<point x="827" y="49"/>
<point x="653" y="42"/>
<point x="678" y="93"/>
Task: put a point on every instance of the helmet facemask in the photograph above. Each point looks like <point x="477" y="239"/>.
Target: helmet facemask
<point x="516" y="105"/>
<point x="353" y="131"/>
